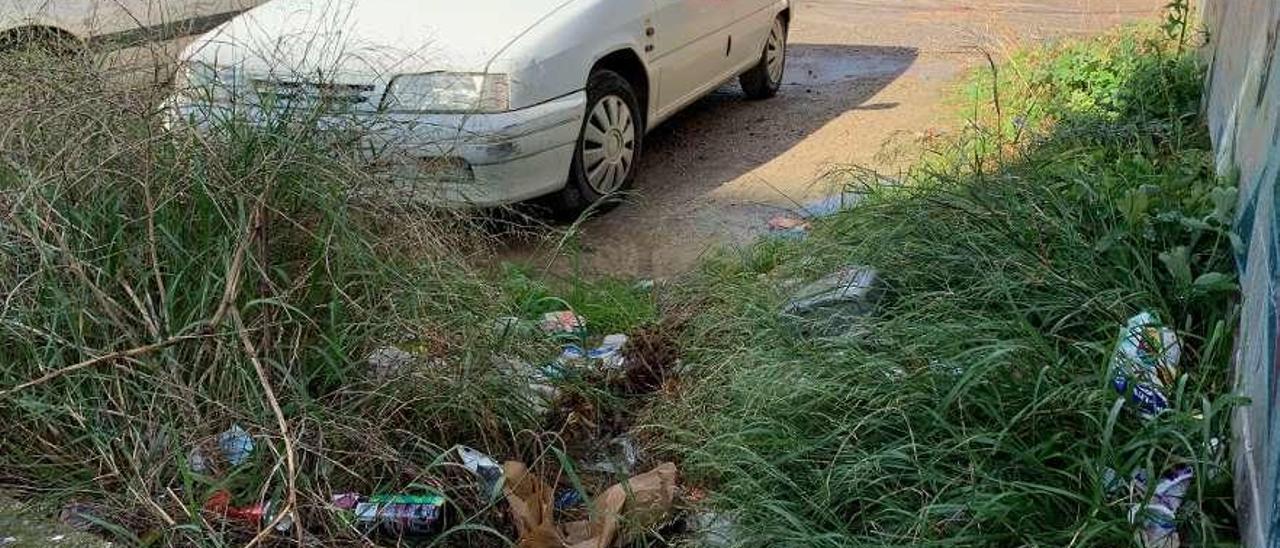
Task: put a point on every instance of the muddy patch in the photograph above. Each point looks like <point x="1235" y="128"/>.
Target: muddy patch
<point x="822" y="64"/>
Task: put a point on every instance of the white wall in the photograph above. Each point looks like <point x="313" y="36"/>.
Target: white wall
<point x="1243" y="103"/>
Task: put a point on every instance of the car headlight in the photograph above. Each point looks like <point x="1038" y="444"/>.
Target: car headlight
<point x="204" y="82"/>
<point x="448" y="92"/>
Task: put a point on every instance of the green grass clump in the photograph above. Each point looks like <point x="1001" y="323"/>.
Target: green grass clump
<point x="159" y="288"/>
<point x="610" y="305"/>
<point x="979" y="409"/>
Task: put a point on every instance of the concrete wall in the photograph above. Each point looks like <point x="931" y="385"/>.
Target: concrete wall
<point x="1243" y="102"/>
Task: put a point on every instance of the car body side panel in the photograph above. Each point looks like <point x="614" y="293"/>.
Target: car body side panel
<point x="751" y="29"/>
<point x="555" y="57"/>
<point x="747" y="22"/>
<point x="98" y="18"/>
<point x="689" y="57"/>
<point x="71" y="16"/>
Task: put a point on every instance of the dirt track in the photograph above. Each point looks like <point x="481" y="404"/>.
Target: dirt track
<point x="865" y="79"/>
<point x="862" y="74"/>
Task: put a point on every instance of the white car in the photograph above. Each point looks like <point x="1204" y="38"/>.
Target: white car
<point x="78" y="21"/>
<point x="489" y="102"/>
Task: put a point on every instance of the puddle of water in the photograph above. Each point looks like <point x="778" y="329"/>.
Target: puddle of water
<point x="819" y="65"/>
<point x="830" y="205"/>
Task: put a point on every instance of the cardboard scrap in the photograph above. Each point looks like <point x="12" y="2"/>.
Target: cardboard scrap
<point x="782" y="222"/>
<point x="645" y="498"/>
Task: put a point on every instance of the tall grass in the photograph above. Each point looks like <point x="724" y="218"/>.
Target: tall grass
<point x="160" y="287"/>
<point x="978" y="411"/>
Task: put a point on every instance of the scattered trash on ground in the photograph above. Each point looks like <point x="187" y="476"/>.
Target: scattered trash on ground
<point x="608" y="355"/>
<point x="789" y="227"/>
<point x="643" y="499"/>
<point x="563" y="322"/>
<point x="1146" y="363"/>
<point x="568" y="498"/>
<point x="1111" y="483"/>
<point x="235" y="445"/>
<point x="1158" y="516"/>
<point x="620" y="457"/>
<point x="394" y="515"/>
<point x="645" y="285"/>
<point x="712" y="529"/>
<point x="1217" y="458"/>
<point x="389" y="360"/>
<point x="797" y="225"/>
<point x="836" y="303"/>
<point x="255" y="515"/>
<point x="831" y="205"/>
<point x="542" y="392"/>
<point x="484" y="467"/>
<point x="783" y="222"/>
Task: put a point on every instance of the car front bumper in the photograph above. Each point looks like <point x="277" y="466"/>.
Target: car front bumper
<point x="455" y="159"/>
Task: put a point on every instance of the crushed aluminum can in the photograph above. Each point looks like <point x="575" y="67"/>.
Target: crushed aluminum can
<point x="413" y="515"/>
<point x="483" y="466"/>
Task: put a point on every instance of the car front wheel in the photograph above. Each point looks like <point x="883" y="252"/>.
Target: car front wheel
<point x="604" y="160"/>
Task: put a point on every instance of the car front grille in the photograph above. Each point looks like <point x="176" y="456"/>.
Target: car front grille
<point x="327" y="97"/>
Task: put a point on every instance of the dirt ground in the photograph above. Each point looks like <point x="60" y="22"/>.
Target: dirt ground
<point x="864" y="77"/>
<point x="864" y="80"/>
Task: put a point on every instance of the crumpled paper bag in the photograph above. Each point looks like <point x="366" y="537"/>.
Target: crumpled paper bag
<point x="645" y="498"/>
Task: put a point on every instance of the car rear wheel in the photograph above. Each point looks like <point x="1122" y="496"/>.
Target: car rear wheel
<point x="604" y="160"/>
<point x="765" y="78"/>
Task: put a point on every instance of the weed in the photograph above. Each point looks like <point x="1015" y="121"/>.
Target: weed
<point x="979" y="412"/>
<point x="160" y="287"/>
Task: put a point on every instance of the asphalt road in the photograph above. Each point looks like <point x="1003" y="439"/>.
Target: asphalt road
<point x="865" y="80"/>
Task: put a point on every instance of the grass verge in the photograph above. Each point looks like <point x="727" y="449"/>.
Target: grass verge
<point x="160" y="289"/>
<point x="979" y="409"/>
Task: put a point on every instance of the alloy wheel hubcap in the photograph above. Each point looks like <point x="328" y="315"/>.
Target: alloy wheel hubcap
<point x="775" y="51"/>
<point x="608" y="144"/>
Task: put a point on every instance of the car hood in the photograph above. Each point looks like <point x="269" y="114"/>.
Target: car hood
<point x="364" y="39"/>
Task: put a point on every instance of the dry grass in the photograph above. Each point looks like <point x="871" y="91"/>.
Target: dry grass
<point x="160" y="287"/>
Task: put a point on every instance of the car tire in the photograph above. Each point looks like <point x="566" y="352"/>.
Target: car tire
<point x="608" y="147"/>
<point x="764" y="79"/>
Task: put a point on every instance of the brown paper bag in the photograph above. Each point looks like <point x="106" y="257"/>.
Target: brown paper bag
<point x="643" y="499"/>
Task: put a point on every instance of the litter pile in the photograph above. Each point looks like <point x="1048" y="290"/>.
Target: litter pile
<point x="591" y="381"/>
<point x="1144" y="371"/>
<point x="796" y="225"/>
